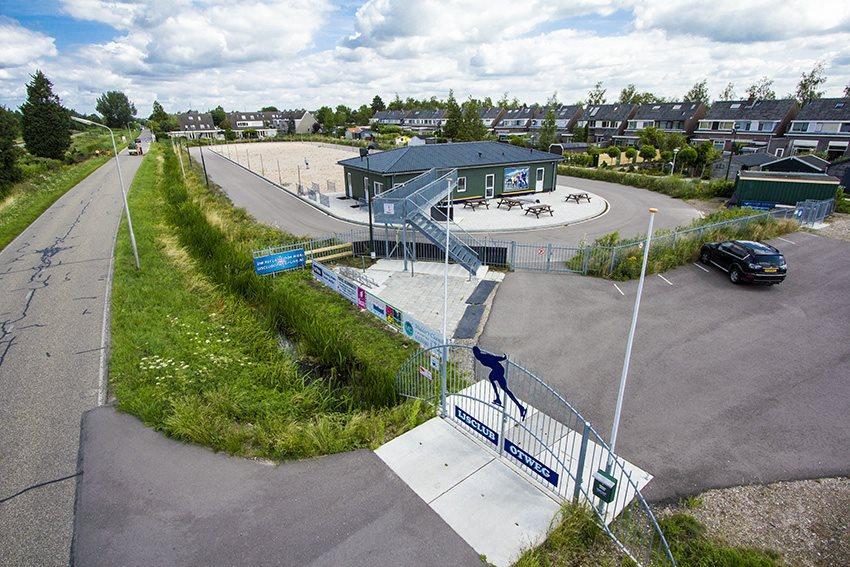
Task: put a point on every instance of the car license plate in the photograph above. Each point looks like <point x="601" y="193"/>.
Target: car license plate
<point x="770" y="270"/>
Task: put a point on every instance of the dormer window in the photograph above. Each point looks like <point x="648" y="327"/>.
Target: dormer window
<point x="735" y="105"/>
<point x="839" y="104"/>
<point x="656" y="107"/>
<point x="677" y="106"/>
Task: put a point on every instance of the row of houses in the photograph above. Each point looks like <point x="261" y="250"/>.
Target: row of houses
<point x="778" y="127"/>
<point x="268" y="124"/>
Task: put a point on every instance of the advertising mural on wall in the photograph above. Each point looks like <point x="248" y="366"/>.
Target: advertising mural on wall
<point x="516" y="179"/>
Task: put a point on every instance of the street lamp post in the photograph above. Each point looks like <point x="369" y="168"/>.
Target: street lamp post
<point x="121" y="181"/>
<point x="619" y="407"/>
<point x="731" y="151"/>
<point x="675" y="153"/>
<point x="364" y="152"/>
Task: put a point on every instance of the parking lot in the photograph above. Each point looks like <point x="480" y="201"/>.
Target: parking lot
<point x="729" y="384"/>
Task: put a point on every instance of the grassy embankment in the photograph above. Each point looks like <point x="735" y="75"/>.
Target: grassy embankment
<point x="576" y="541"/>
<point x="45" y="180"/>
<point x="196" y="335"/>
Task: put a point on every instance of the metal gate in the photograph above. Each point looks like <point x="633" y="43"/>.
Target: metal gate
<point x="810" y="211"/>
<point x="520" y="418"/>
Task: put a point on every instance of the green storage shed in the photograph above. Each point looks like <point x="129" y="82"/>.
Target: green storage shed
<point x="485" y="169"/>
<point x="770" y="188"/>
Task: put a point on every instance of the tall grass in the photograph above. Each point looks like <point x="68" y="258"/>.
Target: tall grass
<point x="194" y="360"/>
<point x="671" y="185"/>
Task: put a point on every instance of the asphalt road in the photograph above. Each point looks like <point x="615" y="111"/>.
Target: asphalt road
<point x="271" y="205"/>
<point x="148" y="500"/>
<point x="729" y="385"/>
<point x="54" y="280"/>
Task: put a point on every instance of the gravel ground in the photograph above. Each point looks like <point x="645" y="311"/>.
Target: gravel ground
<point x="839" y="227"/>
<point x="807" y="522"/>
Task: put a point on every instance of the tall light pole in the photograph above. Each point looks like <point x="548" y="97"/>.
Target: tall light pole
<point x="619" y="407"/>
<point x="364" y="152"/>
<point x="673" y="169"/>
<point x="121" y="181"/>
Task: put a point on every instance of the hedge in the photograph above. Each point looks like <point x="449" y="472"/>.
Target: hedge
<point x="671" y="185"/>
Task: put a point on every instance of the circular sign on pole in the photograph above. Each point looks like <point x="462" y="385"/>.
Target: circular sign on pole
<point x="541" y="251"/>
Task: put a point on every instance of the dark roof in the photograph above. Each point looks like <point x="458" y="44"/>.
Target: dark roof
<point x="197" y="118"/>
<point x="788" y="176"/>
<point x="390" y="115"/>
<point x="810" y="160"/>
<point x="616" y="112"/>
<point x="667" y="111"/>
<point x="750" y="110"/>
<point x="826" y="109"/>
<point x="561" y="113"/>
<point x="446" y="156"/>
<point x="486" y="113"/>
<point x="526" y="112"/>
<point x="752" y="160"/>
<point x="426" y="114"/>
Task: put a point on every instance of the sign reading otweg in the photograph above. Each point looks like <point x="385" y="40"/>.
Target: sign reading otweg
<point x="280" y="262"/>
<point x="530" y="462"/>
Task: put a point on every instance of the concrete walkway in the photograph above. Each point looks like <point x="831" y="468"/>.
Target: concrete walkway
<point x="54" y="285"/>
<point x="148" y="500"/>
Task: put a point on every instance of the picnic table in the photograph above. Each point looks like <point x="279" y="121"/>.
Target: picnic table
<point x="577" y="197"/>
<point x="509" y="202"/>
<point x="475" y="203"/>
<point x="538" y="210"/>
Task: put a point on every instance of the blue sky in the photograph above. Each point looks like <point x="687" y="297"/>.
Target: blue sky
<point x="305" y="53"/>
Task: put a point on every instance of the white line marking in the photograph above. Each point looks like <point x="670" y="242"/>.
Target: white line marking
<point x="703" y="268"/>
<point x="665" y="279"/>
<point x="786" y="240"/>
<point x="618" y="289"/>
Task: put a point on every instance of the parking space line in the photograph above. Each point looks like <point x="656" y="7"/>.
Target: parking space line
<point x="618" y="289"/>
<point x="786" y="240"/>
<point x="703" y="268"/>
<point x="665" y="279"/>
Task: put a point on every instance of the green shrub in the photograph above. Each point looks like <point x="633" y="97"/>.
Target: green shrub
<point x="691" y="546"/>
<point x="671" y="185"/>
<point x="842" y="205"/>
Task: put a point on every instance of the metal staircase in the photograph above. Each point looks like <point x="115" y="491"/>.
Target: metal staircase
<point x="410" y="203"/>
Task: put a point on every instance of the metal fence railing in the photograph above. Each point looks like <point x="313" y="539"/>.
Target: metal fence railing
<point x="591" y="258"/>
<point x="811" y="212"/>
<point x="540" y="435"/>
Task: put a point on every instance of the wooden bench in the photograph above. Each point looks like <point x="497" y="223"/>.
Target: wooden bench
<point x="538" y="210"/>
<point x="577" y="197"/>
<point x="330" y="252"/>
<point x="475" y="203"/>
<point x="509" y="202"/>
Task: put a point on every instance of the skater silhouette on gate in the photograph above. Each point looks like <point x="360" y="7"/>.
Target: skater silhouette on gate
<point x="497" y="376"/>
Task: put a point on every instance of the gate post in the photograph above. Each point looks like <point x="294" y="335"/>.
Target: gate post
<point x="513" y="255"/>
<point x="504" y="405"/>
<point x="548" y="256"/>
<point x="580" y="466"/>
<point x="443" y="412"/>
<point x="586" y="260"/>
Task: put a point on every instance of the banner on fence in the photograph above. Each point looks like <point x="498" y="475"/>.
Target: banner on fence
<point x="393" y="316"/>
<point x="280" y="262"/>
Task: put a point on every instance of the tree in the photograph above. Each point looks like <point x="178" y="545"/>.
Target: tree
<point x="46" y="123"/>
<point x="218" y="116"/>
<point x="159" y="114"/>
<point x="473" y="127"/>
<point x="454" y="118"/>
<point x="116" y="109"/>
<point x="9" y="170"/>
<point x="847" y="90"/>
<point x="687" y="156"/>
<point x="613" y="152"/>
<point x="596" y="95"/>
<point x="631" y="153"/>
<point x="269" y="109"/>
<point x="548" y="128"/>
<point x="761" y="90"/>
<point x="647" y="152"/>
<point x="225" y="125"/>
<point x="362" y="114"/>
<point x="377" y="104"/>
<point x="728" y="92"/>
<point x="396" y="103"/>
<point x="698" y="92"/>
<point x="503" y="102"/>
<point x="630" y="95"/>
<point x="343" y="115"/>
<point x="807" y="88"/>
<point x="326" y="117"/>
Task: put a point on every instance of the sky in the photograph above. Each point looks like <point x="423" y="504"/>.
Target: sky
<point x="246" y="54"/>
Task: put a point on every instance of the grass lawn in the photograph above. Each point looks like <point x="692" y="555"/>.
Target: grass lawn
<point x="195" y="360"/>
<point x="45" y="180"/>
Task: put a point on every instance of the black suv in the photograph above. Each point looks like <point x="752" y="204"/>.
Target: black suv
<point x="746" y="261"/>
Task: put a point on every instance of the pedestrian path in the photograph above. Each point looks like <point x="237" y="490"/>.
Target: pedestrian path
<point x="490" y="501"/>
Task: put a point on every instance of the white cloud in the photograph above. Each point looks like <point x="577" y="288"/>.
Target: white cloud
<point x="19" y="46"/>
<point x="249" y="53"/>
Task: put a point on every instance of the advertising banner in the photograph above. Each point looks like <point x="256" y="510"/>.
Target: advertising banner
<point x="361" y="298"/>
<point x="347" y="289"/>
<point x="280" y="262"/>
<point x="516" y="178"/>
<point x="420" y="333"/>
<point x="376" y="306"/>
<point x="394" y="316"/>
<point x="325" y="275"/>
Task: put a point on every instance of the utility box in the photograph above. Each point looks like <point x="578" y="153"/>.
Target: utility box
<point x="604" y="486"/>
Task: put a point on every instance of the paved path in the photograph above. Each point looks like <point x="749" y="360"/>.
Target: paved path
<point x="729" y="384"/>
<point x="148" y="500"/>
<point x="54" y="280"/>
<point x="273" y="206"/>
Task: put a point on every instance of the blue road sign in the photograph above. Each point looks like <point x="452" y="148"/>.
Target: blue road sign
<point x="282" y="261"/>
<point x="477" y="426"/>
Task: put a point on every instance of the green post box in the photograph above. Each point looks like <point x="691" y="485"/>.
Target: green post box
<point x="604" y="486"/>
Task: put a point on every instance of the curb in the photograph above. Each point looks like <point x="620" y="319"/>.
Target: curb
<point x="358" y="223"/>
